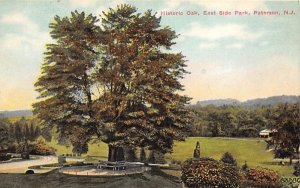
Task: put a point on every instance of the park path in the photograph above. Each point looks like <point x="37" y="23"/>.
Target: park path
<point x="22" y="166"/>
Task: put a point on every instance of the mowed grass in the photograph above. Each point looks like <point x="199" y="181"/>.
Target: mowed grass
<point x="249" y="150"/>
<point x="99" y="150"/>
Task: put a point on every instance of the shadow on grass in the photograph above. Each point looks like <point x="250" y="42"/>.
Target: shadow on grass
<point x="157" y="171"/>
<point x="275" y="163"/>
<point x="55" y="179"/>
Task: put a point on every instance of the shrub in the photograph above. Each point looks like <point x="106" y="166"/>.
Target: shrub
<point x="228" y="158"/>
<point x="40" y="148"/>
<point x="263" y="177"/>
<point x="207" y="172"/>
<point x="4" y="157"/>
<point x="61" y="159"/>
<point x="156" y="157"/>
<point x="197" y="151"/>
<point x="297" y="169"/>
<point x="25" y="155"/>
<point x="245" y="168"/>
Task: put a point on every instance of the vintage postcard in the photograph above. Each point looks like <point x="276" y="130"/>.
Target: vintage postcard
<point x="149" y="93"/>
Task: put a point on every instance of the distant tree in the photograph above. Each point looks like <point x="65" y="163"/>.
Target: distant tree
<point x="285" y="120"/>
<point x="18" y="133"/>
<point x="37" y="132"/>
<point x="3" y="135"/>
<point x="228" y="158"/>
<point x="26" y="132"/>
<point x="11" y="132"/>
<point x="31" y="136"/>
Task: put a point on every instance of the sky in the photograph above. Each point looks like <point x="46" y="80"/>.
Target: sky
<point x="228" y="56"/>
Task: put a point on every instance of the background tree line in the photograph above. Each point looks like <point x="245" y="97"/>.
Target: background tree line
<point x="236" y="121"/>
<point x="18" y="132"/>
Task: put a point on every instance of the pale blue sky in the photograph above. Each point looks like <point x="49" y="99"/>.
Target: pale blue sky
<point x="240" y="57"/>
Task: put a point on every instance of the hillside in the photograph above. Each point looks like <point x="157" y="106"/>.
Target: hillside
<point x="16" y="113"/>
<point x="252" y="103"/>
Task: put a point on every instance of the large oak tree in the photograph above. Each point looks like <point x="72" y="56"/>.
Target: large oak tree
<point x="118" y="82"/>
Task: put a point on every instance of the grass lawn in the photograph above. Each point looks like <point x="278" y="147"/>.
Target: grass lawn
<point x="243" y="150"/>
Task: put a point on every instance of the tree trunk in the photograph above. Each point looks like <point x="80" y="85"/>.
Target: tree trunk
<point x="115" y="153"/>
<point x="111" y="153"/>
<point x="291" y="160"/>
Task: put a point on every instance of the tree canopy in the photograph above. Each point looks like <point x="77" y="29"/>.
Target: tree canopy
<point x="115" y="79"/>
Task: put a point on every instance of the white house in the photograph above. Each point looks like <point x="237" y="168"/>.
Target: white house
<point x="266" y="133"/>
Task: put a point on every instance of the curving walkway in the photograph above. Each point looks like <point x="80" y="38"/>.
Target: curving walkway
<point x="22" y="166"/>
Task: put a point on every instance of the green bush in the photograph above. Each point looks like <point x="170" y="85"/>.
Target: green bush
<point x="207" y="172"/>
<point x="38" y="148"/>
<point x="297" y="169"/>
<point x="61" y="160"/>
<point x="245" y="167"/>
<point x="156" y="157"/>
<point x="197" y="151"/>
<point x="4" y="157"/>
<point x="263" y="177"/>
<point x="228" y="158"/>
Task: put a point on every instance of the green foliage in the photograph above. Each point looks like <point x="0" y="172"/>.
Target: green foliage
<point x="3" y="135"/>
<point x="285" y="119"/>
<point x="61" y="160"/>
<point x="245" y="167"/>
<point x="207" y="172"/>
<point x="249" y="150"/>
<point x="35" y="148"/>
<point x="40" y="148"/>
<point x="228" y="159"/>
<point x="197" y="151"/>
<point x="117" y="82"/>
<point x="4" y="157"/>
<point x="297" y="169"/>
<point x="263" y="177"/>
<point x="130" y="154"/>
<point x="156" y="157"/>
<point x="229" y="121"/>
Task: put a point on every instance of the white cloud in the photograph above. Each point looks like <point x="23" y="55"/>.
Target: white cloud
<point x="235" y="46"/>
<point x="82" y="3"/>
<point x="221" y="31"/>
<point x="209" y="45"/>
<point x="220" y="5"/>
<point x="19" y="19"/>
<point x="29" y="34"/>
